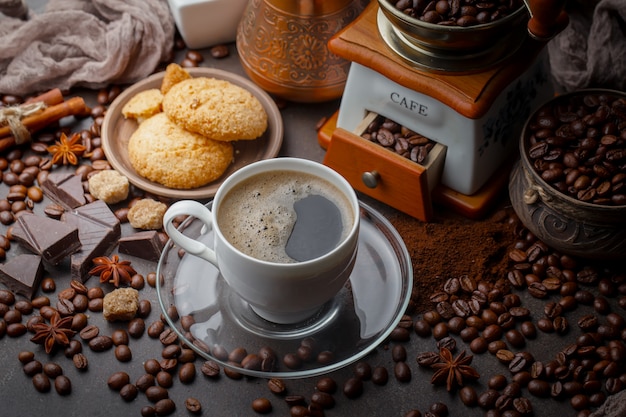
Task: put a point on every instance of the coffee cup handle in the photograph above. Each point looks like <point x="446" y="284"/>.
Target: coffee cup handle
<point x="192" y="246"/>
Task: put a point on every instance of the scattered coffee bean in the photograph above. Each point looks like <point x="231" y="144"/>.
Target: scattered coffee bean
<point x="262" y="405"/>
<point x="117" y="380"/>
<point x="193" y="405"/>
<point x="41" y="382"/>
<point x="353" y="388"/>
<point x="63" y="385"/>
<point x="165" y="407"/>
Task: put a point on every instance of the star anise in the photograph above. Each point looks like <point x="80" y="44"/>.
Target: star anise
<point x="453" y="371"/>
<point x="112" y="270"/>
<point x="67" y="150"/>
<point x="57" y="332"/>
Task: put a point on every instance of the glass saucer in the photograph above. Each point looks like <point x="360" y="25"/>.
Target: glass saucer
<point x="343" y="331"/>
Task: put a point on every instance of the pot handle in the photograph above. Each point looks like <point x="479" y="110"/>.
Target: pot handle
<point x="547" y="18"/>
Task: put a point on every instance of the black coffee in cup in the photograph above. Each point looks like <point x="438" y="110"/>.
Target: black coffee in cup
<point x="285" y="216"/>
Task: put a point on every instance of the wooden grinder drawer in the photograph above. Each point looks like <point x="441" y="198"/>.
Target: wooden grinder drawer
<point x="383" y="174"/>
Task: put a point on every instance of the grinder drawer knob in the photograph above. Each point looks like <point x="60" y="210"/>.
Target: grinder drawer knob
<point x="371" y="178"/>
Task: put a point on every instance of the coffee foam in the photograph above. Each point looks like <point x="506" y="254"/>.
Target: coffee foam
<point x="257" y="215"/>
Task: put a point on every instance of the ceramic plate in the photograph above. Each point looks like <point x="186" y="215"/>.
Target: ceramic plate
<point x="116" y="132"/>
<point x="355" y="322"/>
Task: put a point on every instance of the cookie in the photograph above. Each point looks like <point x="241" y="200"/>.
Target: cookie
<point x="109" y="186"/>
<point x="144" y="104"/>
<point x="217" y="109"/>
<point x="174" y="74"/>
<point x="163" y="152"/>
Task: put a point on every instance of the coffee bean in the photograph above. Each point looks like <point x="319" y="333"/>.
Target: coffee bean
<point x="219" y="51"/>
<point x="363" y="371"/>
<point x="262" y="405"/>
<point x="23" y="306"/>
<point x="398" y="353"/>
<point x="210" y="369"/>
<point x="426" y="359"/>
<point x="187" y="373"/>
<point x="579" y="402"/>
<point x="292" y="361"/>
<point x="63" y="385"/>
<point x="156" y="393"/>
<point x="41" y="382"/>
<point x="89" y="332"/>
<point x="487" y="399"/>
<point x="164" y="379"/>
<point x="80" y="361"/>
<point x="468" y="396"/>
<point x="15" y="329"/>
<point x="129" y="392"/>
<point x="323" y="399"/>
<point x="52" y="370"/>
<point x="193" y="405"/>
<point x="515" y="338"/>
<point x="144" y="382"/>
<point x="539" y="388"/>
<point x="136" y="327"/>
<point x="100" y="343"/>
<point x="402" y="372"/>
<point x="231" y="372"/>
<point x="277" y="386"/>
<point x="48" y="285"/>
<point x="123" y="353"/>
<point x="25" y="356"/>
<point x="353" y="388"/>
<point x="380" y="376"/>
<point x="400" y="334"/>
<point x="155" y="329"/>
<point x="165" y="407"/>
<point x="33" y="367"/>
<point x="117" y="380"/>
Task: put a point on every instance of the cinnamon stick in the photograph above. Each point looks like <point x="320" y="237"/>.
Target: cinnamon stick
<point x="52" y="97"/>
<point x="74" y="105"/>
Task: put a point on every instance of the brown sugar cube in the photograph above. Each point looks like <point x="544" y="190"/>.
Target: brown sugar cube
<point x="120" y="304"/>
<point x="147" y="214"/>
<point x="109" y="186"/>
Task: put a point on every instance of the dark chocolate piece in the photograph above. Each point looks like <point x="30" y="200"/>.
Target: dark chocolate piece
<point x="98" y="231"/>
<point x="144" y="245"/>
<point x="22" y="274"/>
<point x="65" y="189"/>
<point x="52" y="239"/>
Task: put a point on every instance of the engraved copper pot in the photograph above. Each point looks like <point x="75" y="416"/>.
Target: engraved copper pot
<point x="283" y="46"/>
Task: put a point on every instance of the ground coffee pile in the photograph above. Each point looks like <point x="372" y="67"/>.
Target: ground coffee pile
<point x="452" y="245"/>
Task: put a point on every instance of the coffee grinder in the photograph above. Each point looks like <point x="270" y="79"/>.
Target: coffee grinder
<point x="472" y="105"/>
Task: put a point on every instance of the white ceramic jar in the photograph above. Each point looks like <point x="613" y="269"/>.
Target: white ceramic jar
<point x="204" y="23"/>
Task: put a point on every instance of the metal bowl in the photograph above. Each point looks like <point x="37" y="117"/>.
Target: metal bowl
<point x="455" y="39"/>
<point x="566" y="224"/>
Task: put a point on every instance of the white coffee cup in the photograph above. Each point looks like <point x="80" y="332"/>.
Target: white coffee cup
<point x="277" y="291"/>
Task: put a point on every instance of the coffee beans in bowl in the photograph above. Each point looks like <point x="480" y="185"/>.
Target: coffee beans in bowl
<point x="569" y="187"/>
<point x="456" y="25"/>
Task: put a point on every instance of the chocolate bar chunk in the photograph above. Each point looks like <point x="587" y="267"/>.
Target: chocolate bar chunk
<point x="22" y="274"/>
<point x="65" y="189"/>
<point x="144" y="245"/>
<point x="52" y="239"/>
<point x="98" y="231"/>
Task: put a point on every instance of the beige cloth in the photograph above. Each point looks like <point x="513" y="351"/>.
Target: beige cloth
<point x="86" y="43"/>
<point x="614" y="406"/>
<point x="591" y="51"/>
